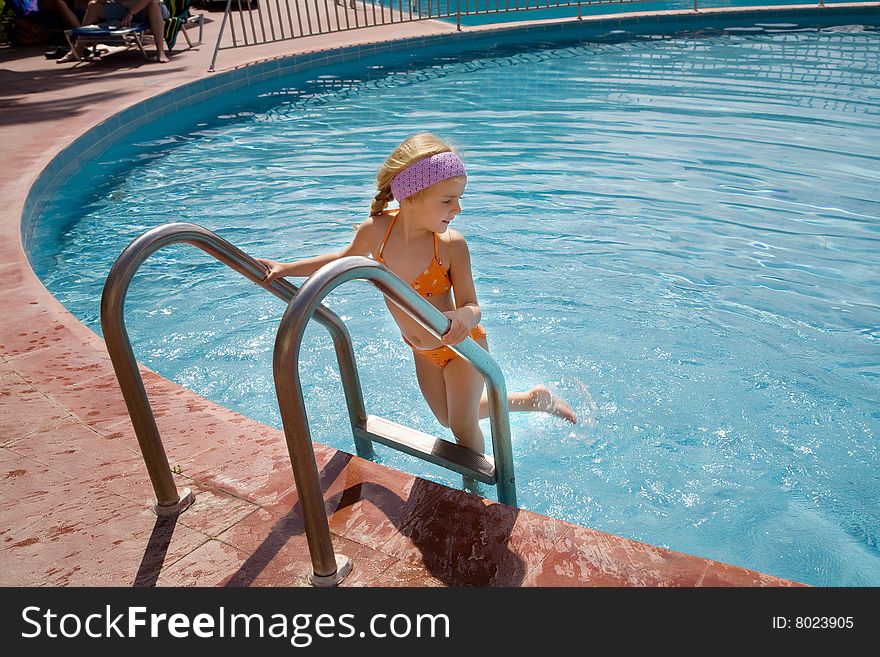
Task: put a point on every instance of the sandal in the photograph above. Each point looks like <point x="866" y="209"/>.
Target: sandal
<point x="56" y="53"/>
<point x="90" y="54"/>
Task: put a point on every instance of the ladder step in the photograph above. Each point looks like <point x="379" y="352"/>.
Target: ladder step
<point x="430" y="448"/>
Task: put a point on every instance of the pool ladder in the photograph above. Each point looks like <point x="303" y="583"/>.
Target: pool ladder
<point x="303" y="304"/>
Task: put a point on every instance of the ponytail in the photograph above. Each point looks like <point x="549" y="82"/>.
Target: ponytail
<point x="381" y="200"/>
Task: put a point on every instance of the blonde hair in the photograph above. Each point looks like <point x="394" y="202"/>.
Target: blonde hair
<point x="411" y="150"/>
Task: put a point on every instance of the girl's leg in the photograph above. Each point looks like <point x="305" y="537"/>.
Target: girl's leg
<point x="455" y="396"/>
<point x="538" y="398"/>
<point x="433" y="388"/>
<point x="436" y="388"/>
<point x="464" y="385"/>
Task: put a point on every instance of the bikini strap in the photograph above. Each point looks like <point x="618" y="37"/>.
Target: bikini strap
<point x="437" y="249"/>
<point x="385" y="239"/>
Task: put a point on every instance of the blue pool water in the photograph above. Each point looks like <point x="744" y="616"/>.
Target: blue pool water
<point x="678" y="234"/>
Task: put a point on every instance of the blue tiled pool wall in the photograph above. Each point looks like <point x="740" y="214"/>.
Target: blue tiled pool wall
<point x="262" y="76"/>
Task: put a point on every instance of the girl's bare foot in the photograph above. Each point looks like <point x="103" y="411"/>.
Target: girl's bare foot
<point x="69" y="57"/>
<point x="544" y="400"/>
<point x="162" y="58"/>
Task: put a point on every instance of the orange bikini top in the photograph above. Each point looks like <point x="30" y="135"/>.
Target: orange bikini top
<point x="432" y="282"/>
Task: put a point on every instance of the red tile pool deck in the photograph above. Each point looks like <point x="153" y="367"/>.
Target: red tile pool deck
<point x="75" y="493"/>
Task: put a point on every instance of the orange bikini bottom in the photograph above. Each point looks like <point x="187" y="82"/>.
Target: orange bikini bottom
<point x="443" y="355"/>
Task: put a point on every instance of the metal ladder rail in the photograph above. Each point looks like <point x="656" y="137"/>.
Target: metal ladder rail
<point x="328" y="568"/>
<point x="288" y="388"/>
<point x="286" y="364"/>
<point x="169" y="501"/>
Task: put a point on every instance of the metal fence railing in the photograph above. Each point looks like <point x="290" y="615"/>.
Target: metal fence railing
<point x="253" y="22"/>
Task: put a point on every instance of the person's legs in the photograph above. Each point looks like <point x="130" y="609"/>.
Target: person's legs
<point x="464" y="386"/>
<point x="539" y="399"/>
<point x="157" y="27"/>
<point x="61" y="10"/>
<point x="94" y="14"/>
<point x="433" y="387"/>
<point x="455" y="395"/>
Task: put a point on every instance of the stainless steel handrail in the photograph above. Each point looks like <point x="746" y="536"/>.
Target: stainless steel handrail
<point x="303" y="306"/>
<point x="288" y="387"/>
<point x="169" y="502"/>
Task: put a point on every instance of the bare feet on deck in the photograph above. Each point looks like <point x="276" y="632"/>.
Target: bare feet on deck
<point x="162" y="59"/>
<point x="544" y="400"/>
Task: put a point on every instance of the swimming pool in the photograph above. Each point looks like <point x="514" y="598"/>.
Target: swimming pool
<point x="681" y="230"/>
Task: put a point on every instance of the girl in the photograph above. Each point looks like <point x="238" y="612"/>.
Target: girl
<point x="427" y="178"/>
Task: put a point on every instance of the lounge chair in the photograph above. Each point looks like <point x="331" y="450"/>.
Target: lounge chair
<point x="179" y="20"/>
<point x="112" y="34"/>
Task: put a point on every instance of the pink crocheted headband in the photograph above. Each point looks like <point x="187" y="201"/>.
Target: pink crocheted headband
<point x="426" y="172"/>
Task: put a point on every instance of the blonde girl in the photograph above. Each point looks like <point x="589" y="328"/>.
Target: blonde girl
<point x="415" y="241"/>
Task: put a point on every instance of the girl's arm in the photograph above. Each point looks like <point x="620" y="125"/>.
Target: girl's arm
<point x="467" y="311"/>
<point x="362" y="244"/>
